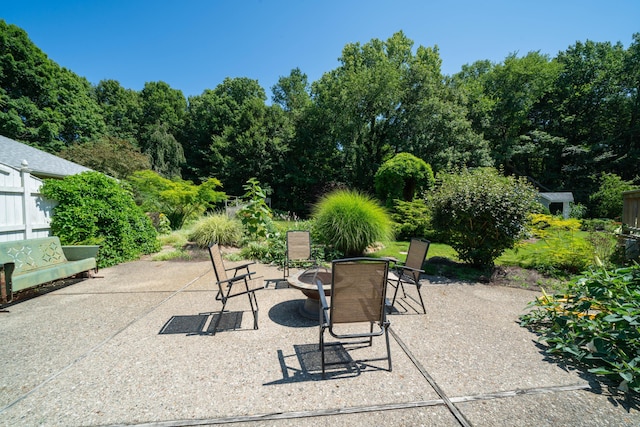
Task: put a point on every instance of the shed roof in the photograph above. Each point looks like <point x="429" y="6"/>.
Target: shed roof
<point x="560" y="197"/>
<point x="40" y="163"/>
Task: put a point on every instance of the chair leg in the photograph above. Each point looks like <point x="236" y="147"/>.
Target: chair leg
<point x="424" y="310"/>
<point x="371" y="336"/>
<point x="322" y="350"/>
<point x="215" y="327"/>
<point x="395" y="294"/>
<point x="386" y="335"/>
<point x="254" y="311"/>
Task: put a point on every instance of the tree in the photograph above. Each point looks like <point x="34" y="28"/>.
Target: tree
<point x="592" y="112"/>
<point x="292" y="93"/>
<point x="120" y="109"/>
<point x="40" y="102"/>
<point x="403" y="177"/>
<point x="162" y="117"/>
<point x="114" y="157"/>
<point x="382" y="100"/>
<point x="504" y="101"/>
<point x="164" y="152"/>
<point x="233" y="132"/>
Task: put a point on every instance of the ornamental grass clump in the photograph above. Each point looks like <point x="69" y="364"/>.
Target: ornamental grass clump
<point x="350" y="221"/>
<point x="217" y="228"/>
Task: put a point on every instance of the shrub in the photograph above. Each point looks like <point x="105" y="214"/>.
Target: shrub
<point x="350" y="221"/>
<point x="600" y="224"/>
<point x="402" y="177"/>
<point x="577" y="210"/>
<point x="216" y="228"/>
<point x="608" y="199"/>
<point x="481" y="213"/>
<point x="412" y="219"/>
<point x="543" y="224"/>
<point x="95" y="209"/>
<point x="595" y="324"/>
<point x="565" y="251"/>
<point x="179" y="200"/>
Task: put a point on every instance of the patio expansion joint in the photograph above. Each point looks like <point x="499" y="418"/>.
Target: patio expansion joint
<point x="99" y="345"/>
<point x="350" y="410"/>
<point x="462" y="420"/>
<point x="450" y="402"/>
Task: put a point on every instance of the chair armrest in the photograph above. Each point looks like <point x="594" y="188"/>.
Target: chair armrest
<point x="240" y="277"/>
<point x="404" y="267"/>
<point x="236" y="278"/>
<point x="323" y="302"/>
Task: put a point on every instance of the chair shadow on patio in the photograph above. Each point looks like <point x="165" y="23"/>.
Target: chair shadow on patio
<point x="309" y="364"/>
<point x="203" y="323"/>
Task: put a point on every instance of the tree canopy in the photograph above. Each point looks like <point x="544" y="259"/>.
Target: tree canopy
<point x="561" y="122"/>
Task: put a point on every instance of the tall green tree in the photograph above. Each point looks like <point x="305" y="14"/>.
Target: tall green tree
<point x="162" y="116"/>
<point x="384" y="99"/>
<point x="163" y="150"/>
<point x="41" y="102"/>
<point x="590" y="102"/>
<point x="504" y="102"/>
<point x="630" y="139"/>
<point x="120" y="109"/>
<point x="235" y="134"/>
<point x="114" y="157"/>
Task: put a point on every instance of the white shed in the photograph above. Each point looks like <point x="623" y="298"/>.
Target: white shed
<point x="561" y="198"/>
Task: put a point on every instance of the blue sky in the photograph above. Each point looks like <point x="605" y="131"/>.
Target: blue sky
<point x="194" y="44"/>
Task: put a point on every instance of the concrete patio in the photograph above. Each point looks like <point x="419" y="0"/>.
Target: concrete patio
<point x="135" y="348"/>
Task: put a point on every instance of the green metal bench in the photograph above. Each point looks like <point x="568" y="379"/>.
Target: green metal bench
<point x="32" y="262"/>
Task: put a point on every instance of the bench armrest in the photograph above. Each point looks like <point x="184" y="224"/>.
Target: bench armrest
<point x="78" y="252"/>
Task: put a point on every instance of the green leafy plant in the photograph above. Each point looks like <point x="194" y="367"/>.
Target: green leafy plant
<point x="217" y="228"/>
<point x="403" y="177"/>
<point x="608" y="199"/>
<point x="95" y="209"/>
<point x="412" y="219"/>
<point x="178" y="199"/>
<point x="481" y="213"/>
<point x="596" y="324"/>
<point x="256" y="215"/>
<point x="350" y="221"/>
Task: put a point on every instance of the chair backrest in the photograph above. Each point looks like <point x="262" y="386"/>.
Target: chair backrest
<point x="218" y="264"/>
<point x="298" y="245"/>
<point x="418" y="249"/>
<point x="358" y="290"/>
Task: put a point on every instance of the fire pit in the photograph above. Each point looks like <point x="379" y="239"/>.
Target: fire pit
<point x="306" y="281"/>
